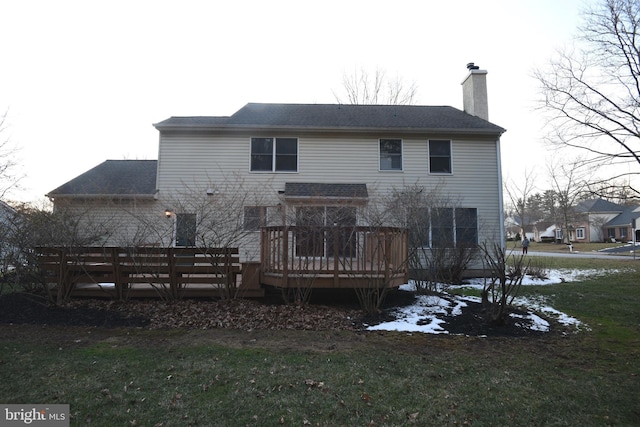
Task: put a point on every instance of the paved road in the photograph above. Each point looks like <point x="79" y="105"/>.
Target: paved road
<point x="575" y="254"/>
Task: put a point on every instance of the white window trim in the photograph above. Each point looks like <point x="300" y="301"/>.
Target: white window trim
<point x="431" y="244"/>
<point x="401" y="156"/>
<point x="273" y="152"/>
<point x="429" y="157"/>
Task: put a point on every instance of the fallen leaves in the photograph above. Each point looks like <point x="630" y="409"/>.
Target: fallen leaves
<point x="238" y="314"/>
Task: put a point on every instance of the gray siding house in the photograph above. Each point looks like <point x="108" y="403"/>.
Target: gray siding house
<point x="220" y="180"/>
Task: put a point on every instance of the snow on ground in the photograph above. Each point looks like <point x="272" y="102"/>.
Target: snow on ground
<point x="425" y="315"/>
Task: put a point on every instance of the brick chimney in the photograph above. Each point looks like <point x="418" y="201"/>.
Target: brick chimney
<point x="474" y="92"/>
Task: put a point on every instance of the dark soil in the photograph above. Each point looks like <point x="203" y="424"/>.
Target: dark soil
<point x="328" y="311"/>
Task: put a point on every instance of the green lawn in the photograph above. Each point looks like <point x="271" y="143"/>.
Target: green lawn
<point x="296" y="378"/>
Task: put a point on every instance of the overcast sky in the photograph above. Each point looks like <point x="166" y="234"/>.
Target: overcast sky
<point x="84" y="81"/>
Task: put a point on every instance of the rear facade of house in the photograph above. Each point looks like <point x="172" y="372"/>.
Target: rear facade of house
<point x="220" y="180"/>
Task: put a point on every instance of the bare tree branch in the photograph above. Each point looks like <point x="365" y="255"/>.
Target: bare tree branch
<point x="9" y="177"/>
<point x="592" y="93"/>
<point x="519" y="196"/>
<point x="363" y="88"/>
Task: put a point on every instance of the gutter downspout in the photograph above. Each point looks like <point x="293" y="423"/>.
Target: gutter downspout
<point x="500" y="196"/>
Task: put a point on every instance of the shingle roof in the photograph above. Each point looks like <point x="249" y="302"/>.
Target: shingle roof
<point x="113" y="177"/>
<point x="338" y="116"/>
<point x="625" y="218"/>
<point x="314" y="189"/>
<point x="598" y="205"/>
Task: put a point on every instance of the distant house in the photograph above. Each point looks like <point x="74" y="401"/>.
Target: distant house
<point x="273" y="165"/>
<point x="604" y="220"/>
<point x="545" y="231"/>
<point x="622" y="227"/>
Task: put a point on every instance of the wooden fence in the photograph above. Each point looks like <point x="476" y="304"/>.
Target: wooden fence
<point x="125" y="272"/>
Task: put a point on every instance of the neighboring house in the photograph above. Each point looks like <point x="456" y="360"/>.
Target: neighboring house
<point x="622" y="227"/>
<point x="596" y="220"/>
<point x="277" y="164"/>
<point x="515" y="229"/>
<point x="604" y="220"/>
<point x="545" y="231"/>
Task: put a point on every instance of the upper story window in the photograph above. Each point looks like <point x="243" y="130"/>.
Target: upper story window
<point x="440" y="156"/>
<point x="390" y="155"/>
<point x="274" y="154"/>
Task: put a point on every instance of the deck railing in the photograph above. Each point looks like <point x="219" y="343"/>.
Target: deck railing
<point x="343" y="253"/>
<point x="121" y="272"/>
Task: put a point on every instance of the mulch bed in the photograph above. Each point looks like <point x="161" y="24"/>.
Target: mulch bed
<point x="326" y="313"/>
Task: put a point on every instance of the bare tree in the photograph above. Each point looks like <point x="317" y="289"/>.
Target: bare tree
<point x="519" y="195"/>
<point x="31" y="227"/>
<point x="364" y="88"/>
<point x="569" y="182"/>
<point x="9" y="177"/>
<point x="592" y="93"/>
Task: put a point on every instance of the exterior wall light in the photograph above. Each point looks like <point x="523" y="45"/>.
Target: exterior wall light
<point x="168" y="213"/>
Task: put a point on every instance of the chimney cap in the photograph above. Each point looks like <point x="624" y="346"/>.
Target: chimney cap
<point x="472" y="66"/>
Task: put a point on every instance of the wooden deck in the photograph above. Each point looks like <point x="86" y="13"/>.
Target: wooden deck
<point x="170" y="273"/>
<point x="334" y="257"/>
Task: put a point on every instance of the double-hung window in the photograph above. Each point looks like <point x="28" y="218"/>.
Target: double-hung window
<point x="390" y="155"/>
<point x="439" y="156"/>
<point x="274" y="154"/>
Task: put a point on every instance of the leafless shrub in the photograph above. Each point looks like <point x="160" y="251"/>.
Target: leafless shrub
<point x="502" y="286"/>
<point x="435" y="258"/>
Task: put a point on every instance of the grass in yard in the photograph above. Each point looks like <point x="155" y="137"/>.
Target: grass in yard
<point x="585" y="247"/>
<point x="177" y="378"/>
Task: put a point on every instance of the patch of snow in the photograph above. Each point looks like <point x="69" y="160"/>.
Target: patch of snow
<point x="425" y="315"/>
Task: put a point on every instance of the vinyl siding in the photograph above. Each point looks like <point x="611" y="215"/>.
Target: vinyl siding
<point x="199" y="161"/>
<point x="120" y="222"/>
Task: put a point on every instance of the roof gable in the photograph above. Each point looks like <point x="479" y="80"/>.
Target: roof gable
<point x="113" y="178"/>
<point x="339" y="116"/>
<point x="598" y="205"/>
<point x="625" y="218"/>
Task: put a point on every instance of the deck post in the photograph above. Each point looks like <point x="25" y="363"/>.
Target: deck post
<point x="285" y="256"/>
<point x="387" y="254"/>
<point x="336" y="260"/>
<point x="173" y="278"/>
<point x="115" y="265"/>
<point x="62" y="275"/>
<point x="227" y="271"/>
